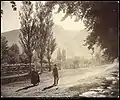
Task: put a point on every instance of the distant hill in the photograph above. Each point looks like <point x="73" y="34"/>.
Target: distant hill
<point x="71" y="41"/>
<point x="12" y="37"/>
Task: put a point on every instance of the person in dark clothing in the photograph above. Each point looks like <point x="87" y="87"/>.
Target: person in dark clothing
<point x="55" y="74"/>
<point x="35" y="77"/>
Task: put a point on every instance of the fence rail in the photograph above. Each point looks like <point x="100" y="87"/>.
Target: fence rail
<point x="12" y="69"/>
<point x="16" y="72"/>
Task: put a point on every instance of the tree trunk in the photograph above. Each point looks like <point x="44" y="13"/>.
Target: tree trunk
<point x="41" y="67"/>
<point x="49" y="65"/>
<point x="30" y="59"/>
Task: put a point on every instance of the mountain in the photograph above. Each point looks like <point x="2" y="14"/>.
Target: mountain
<point x="71" y="41"/>
<point x="12" y="37"/>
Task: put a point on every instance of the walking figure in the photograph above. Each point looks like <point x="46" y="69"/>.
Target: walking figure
<point x="55" y="74"/>
<point x="35" y="77"/>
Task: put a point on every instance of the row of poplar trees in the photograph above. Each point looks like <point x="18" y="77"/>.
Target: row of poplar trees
<point x="36" y="31"/>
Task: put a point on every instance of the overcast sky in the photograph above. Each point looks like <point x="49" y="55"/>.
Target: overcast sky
<point x="10" y="19"/>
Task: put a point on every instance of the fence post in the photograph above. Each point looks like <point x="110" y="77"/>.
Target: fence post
<point x="18" y="69"/>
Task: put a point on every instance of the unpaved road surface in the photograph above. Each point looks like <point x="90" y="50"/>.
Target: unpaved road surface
<point x="72" y="82"/>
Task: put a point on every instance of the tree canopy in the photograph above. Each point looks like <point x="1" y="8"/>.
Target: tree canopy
<point x="4" y="48"/>
<point x="45" y="42"/>
<point x="13" y="54"/>
<point x="100" y="19"/>
<point x="28" y="29"/>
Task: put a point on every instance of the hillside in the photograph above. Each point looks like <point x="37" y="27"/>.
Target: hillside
<point x="12" y="37"/>
<point x="71" y="41"/>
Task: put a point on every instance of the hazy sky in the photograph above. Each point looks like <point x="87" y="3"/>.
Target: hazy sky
<point x="10" y="21"/>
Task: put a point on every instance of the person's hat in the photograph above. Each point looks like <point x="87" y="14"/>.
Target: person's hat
<point x="55" y="65"/>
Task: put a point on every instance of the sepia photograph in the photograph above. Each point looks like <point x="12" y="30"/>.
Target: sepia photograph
<point x="60" y="49"/>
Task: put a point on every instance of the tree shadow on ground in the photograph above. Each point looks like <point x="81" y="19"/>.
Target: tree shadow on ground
<point x="26" y="88"/>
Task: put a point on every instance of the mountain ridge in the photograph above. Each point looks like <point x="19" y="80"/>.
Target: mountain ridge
<point x="69" y="40"/>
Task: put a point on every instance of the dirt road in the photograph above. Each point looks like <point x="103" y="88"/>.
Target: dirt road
<point x="72" y="82"/>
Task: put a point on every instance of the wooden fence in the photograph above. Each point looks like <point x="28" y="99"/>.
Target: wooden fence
<point x="16" y="72"/>
<point x="13" y="69"/>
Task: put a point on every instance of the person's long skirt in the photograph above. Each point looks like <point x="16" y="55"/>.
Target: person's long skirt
<point x="35" y="78"/>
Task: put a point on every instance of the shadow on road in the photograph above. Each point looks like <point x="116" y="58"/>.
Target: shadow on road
<point x="48" y="87"/>
<point x="25" y="88"/>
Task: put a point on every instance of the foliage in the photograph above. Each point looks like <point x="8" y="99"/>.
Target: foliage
<point x="95" y="15"/>
<point x="100" y="18"/>
<point x="51" y="46"/>
<point x="41" y="35"/>
<point x="9" y="55"/>
<point x="13" y="54"/>
<point x="28" y="29"/>
<point x="13" y="5"/>
<point x="23" y="58"/>
<point x="4" y="48"/>
<point x="105" y="28"/>
<point x="1" y="12"/>
<point x="59" y="55"/>
<point x="45" y="42"/>
<point x="63" y="55"/>
<point x="76" y="62"/>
